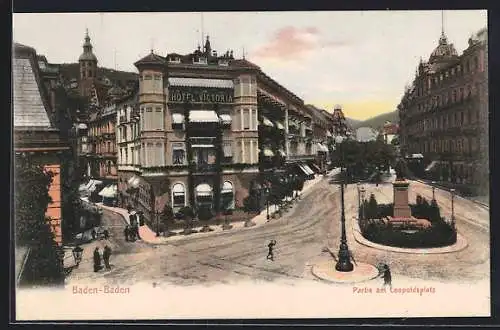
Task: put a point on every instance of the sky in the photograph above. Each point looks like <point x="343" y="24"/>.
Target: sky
<point x="361" y="60"/>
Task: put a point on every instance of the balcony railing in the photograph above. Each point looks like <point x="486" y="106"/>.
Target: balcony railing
<point x="203" y="168"/>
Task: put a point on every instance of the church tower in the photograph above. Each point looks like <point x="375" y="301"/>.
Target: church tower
<point x="88" y="66"/>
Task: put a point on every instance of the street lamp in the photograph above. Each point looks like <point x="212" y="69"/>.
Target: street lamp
<point x="157" y="223"/>
<point x="77" y="254"/>
<point x="358" y="185"/>
<point x="267" y="190"/>
<point x="433" y="188"/>
<point x="344" y="259"/>
<point x="363" y="190"/>
<point x="452" y="191"/>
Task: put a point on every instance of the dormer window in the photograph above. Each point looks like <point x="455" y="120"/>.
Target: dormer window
<point x="200" y="60"/>
<point x="223" y="62"/>
<point x="175" y="59"/>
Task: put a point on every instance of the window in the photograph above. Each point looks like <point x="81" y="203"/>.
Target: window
<point x="246" y="119"/>
<point x="157" y="77"/>
<point x="90" y="74"/>
<point x="148" y="118"/>
<point x="108" y="147"/>
<point x="148" y="77"/>
<point x="227" y="148"/>
<point x="108" y="167"/>
<point x="159" y="155"/>
<point x="227" y="196"/>
<point x="178" y="196"/>
<point x="158" y="119"/>
<point x="126" y="156"/>
<point x="178" y="153"/>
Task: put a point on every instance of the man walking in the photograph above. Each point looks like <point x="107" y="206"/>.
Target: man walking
<point x="387" y="276"/>
<point x="105" y="255"/>
<point x="97" y="260"/>
<point x="270" y="254"/>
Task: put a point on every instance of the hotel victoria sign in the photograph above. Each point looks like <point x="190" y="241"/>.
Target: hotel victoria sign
<point x="199" y="95"/>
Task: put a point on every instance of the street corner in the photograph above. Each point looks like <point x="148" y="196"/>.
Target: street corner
<point x="362" y="272"/>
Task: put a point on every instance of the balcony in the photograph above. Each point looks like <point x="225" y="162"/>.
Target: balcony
<point x="203" y="168"/>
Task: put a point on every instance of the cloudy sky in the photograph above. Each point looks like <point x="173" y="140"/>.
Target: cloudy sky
<point x="359" y="59"/>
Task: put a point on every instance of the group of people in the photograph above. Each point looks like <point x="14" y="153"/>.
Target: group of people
<point x="106" y="254"/>
<point x="131" y="233"/>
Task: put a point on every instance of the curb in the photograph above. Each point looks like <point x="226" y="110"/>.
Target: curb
<point x="368" y="278"/>
<point x="460" y="245"/>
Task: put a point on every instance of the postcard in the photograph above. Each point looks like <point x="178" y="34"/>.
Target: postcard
<point x="250" y="165"/>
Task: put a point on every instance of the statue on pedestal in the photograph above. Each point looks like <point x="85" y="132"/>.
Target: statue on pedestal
<point x="400" y="169"/>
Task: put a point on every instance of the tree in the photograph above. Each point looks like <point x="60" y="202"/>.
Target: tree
<point x="372" y="208"/>
<point x="187" y="214"/>
<point x="167" y="217"/>
<point x="31" y="198"/>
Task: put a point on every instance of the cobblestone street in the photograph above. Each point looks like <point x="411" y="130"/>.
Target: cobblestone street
<point x="301" y="235"/>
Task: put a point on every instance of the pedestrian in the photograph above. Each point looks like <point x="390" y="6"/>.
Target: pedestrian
<point x="136" y="232"/>
<point x="387" y="276"/>
<point x="97" y="260"/>
<point x="270" y="254"/>
<point x="126" y="233"/>
<point x="105" y="255"/>
<point x="94" y="234"/>
<point x="106" y="234"/>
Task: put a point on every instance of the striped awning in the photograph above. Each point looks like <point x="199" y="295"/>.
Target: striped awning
<point x="279" y="125"/>
<point x="177" y="118"/>
<point x="308" y="169"/>
<point x="203" y="190"/>
<point x="227" y="187"/>
<point x="134" y="181"/>
<point x="202" y="146"/>
<point x="226" y="119"/>
<point x="203" y="116"/>
<point x="200" y="82"/>
<point x="322" y="147"/>
<point x="267" y="122"/>
<point x="302" y="168"/>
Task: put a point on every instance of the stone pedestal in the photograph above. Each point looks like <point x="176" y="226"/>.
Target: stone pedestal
<point x="401" y="207"/>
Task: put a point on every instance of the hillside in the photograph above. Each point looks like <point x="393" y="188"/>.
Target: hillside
<point x="354" y="123"/>
<point x="377" y="122"/>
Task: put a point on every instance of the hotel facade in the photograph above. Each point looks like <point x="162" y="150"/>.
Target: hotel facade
<point x="206" y="129"/>
<point x="444" y="114"/>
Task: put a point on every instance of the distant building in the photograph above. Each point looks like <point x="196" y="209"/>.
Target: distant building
<point x="389" y="131"/>
<point x="444" y="113"/>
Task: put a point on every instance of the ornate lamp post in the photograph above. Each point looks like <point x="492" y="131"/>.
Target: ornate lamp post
<point x="452" y="191"/>
<point x="363" y="190"/>
<point x="268" y="191"/>
<point x="433" y="189"/>
<point x="344" y="257"/>
<point x="358" y="185"/>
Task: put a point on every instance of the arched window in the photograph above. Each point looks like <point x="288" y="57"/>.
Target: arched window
<point x="204" y="194"/>
<point x="227" y="196"/>
<point x="178" y="195"/>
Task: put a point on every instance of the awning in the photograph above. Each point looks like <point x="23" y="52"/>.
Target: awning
<point x="227" y="188"/>
<point x="267" y="122"/>
<point x="203" y="190"/>
<point x="109" y="191"/>
<point x="308" y="169"/>
<point x="226" y="119"/>
<point x="417" y="156"/>
<point x="279" y="125"/>
<point x="303" y="169"/>
<point x="322" y="147"/>
<point x="177" y="118"/>
<point x="82" y="126"/>
<point x="282" y="153"/>
<point x="200" y="82"/>
<point x="431" y="166"/>
<point x="203" y="116"/>
<point x="91" y="185"/>
<point x="202" y="146"/>
<point x="178" y="189"/>
<point x="268" y="153"/>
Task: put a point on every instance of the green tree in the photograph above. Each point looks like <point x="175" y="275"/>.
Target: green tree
<point x="187" y="214"/>
<point x="372" y="209"/>
<point x="31" y="198"/>
<point x="167" y="217"/>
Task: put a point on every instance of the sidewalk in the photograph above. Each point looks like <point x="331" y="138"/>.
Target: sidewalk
<point x="149" y="236"/>
<point x="481" y="200"/>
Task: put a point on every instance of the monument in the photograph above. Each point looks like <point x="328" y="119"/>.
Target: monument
<point x="402" y="212"/>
